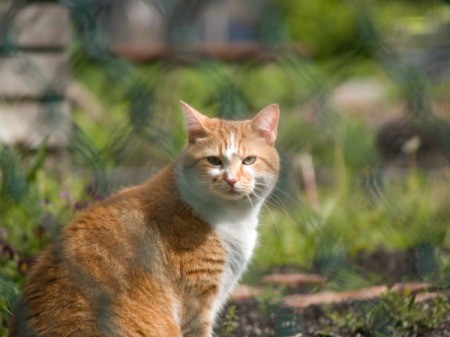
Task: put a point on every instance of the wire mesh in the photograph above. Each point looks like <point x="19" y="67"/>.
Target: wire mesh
<point x="229" y="59"/>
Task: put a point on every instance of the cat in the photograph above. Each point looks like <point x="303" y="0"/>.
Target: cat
<point x="159" y="259"/>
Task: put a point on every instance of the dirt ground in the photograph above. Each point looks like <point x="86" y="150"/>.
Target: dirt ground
<point x="262" y="316"/>
<point x="276" y="321"/>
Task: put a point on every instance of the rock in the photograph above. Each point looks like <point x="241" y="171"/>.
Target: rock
<point x="358" y="94"/>
<point x="432" y="295"/>
<point x="30" y="123"/>
<point x="293" y="280"/>
<point x="41" y="25"/>
<point x="243" y="292"/>
<point x="31" y="75"/>
<point x="327" y="297"/>
<point x="411" y="287"/>
<point x="365" y="99"/>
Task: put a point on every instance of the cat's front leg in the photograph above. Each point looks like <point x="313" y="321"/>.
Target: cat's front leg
<point x="198" y="317"/>
<point x="200" y="326"/>
<point x="199" y="331"/>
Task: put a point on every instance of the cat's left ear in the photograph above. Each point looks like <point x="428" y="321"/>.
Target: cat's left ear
<point x="195" y="123"/>
<point x="266" y="122"/>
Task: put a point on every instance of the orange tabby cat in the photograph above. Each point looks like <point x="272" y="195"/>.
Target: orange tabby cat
<point x="159" y="259"/>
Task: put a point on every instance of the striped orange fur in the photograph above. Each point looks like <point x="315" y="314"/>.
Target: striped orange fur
<point x="161" y="258"/>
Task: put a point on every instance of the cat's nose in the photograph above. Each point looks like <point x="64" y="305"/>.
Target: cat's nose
<point x="231" y="181"/>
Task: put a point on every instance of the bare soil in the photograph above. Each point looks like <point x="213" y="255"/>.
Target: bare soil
<point x="252" y="320"/>
<point x="262" y="316"/>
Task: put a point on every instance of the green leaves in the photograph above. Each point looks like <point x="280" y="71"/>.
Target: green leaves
<point x="14" y="182"/>
<point x="394" y="314"/>
<point x="9" y="295"/>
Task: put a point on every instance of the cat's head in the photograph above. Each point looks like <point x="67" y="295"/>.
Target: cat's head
<point x="231" y="160"/>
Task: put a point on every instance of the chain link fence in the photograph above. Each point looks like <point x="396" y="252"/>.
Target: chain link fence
<point x="91" y="88"/>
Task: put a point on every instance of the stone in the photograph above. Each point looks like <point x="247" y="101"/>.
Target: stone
<point x="41" y="25"/>
<point x="358" y="94"/>
<point x="431" y="296"/>
<point x="31" y="75"/>
<point x="293" y="280"/>
<point x="242" y="292"/>
<point x="411" y="287"/>
<point x="30" y="123"/>
<point x="365" y="99"/>
<point x="4" y="6"/>
<point x="326" y="297"/>
<point x="138" y="30"/>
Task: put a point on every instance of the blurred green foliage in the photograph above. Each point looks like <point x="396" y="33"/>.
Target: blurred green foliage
<point x="395" y="314"/>
<point x="354" y="217"/>
<point x="324" y="27"/>
<point x="139" y="126"/>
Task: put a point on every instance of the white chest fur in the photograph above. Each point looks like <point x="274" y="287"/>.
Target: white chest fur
<point x="235" y="224"/>
<point x="239" y="238"/>
<point x="238" y="233"/>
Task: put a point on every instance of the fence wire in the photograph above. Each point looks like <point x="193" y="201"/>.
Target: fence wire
<point x="102" y="109"/>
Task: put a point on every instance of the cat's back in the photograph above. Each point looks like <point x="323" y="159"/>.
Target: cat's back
<point x="109" y="262"/>
<point x="160" y="259"/>
<point x="122" y="234"/>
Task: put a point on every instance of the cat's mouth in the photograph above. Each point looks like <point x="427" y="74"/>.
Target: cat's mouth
<point x="232" y="193"/>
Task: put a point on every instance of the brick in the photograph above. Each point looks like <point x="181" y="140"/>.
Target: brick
<point x="411" y="287"/>
<point x="41" y="25"/>
<point x="5" y="5"/>
<point x="30" y="123"/>
<point x="431" y="296"/>
<point x="242" y="292"/>
<point x="33" y="74"/>
<point x="138" y="30"/>
<point x="327" y="297"/>
<point x="293" y="280"/>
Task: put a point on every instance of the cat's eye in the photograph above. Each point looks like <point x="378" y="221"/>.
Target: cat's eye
<point x="213" y="160"/>
<point x="249" y="160"/>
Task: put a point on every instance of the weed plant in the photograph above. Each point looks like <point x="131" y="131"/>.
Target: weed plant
<point x="393" y="314"/>
<point x="358" y="208"/>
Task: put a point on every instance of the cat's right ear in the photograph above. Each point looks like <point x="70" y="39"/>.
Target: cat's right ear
<point x="195" y="123"/>
<point x="266" y="122"/>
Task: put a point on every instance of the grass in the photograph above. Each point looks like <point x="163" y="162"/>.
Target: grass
<point x="229" y="324"/>
<point x="409" y="213"/>
<point x="358" y="209"/>
<point x="351" y="206"/>
<point x="393" y="314"/>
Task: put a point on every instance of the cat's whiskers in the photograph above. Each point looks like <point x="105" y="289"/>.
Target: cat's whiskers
<point x="274" y="196"/>
<point x="273" y="219"/>
<point x="269" y="211"/>
<point x="250" y="201"/>
<point x="181" y="241"/>
<point x="277" y="202"/>
<point x="275" y="188"/>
